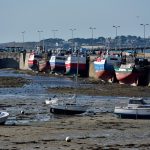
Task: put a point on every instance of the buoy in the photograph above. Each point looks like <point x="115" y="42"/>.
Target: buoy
<point x="22" y="112"/>
<point x="68" y="139"/>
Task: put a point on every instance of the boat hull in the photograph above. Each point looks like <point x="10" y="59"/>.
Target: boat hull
<point x="72" y="68"/>
<point x="57" y="64"/>
<point x="74" y="63"/>
<point x="32" y="62"/>
<point x="3" y="117"/>
<point x="129" y="76"/>
<point x="104" y="71"/>
<point x="65" y="112"/>
<point x="58" y="67"/>
<point x="134" y="73"/>
<point x="68" y="109"/>
<point x="43" y="65"/>
<point x="133" y="113"/>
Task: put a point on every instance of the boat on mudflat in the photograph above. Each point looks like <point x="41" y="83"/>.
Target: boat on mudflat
<point x="68" y="108"/>
<point x="38" y="62"/>
<point x="43" y="65"/>
<point x="133" y="72"/>
<point x="3" y="117"/>
<point x="104" y="67"/>
<point x="57" y="63"/>
<point x="71" y="65"/>
<point x="32" y="61"/>
<point x="137" y="108"/>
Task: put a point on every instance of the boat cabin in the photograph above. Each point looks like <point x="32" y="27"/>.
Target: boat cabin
<point x="136" y="102"/>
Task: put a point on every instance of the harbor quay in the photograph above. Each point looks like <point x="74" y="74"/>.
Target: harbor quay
<point x="19" y="60"/>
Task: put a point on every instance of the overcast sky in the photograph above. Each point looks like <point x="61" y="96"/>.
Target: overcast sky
<point x="30" y="16"/>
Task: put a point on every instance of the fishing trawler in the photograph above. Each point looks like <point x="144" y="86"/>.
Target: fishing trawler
<point x="104" y="67"/>
<point x="133" y="72"/>
<point x="71" y="64"/>
<point x="32" y="61"/>
<point x="57" y="63"/>
<point x="38" y="62"/>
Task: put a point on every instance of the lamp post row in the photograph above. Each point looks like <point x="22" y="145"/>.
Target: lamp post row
<point x="91" y="28"/>
<point x="92" y="32"/>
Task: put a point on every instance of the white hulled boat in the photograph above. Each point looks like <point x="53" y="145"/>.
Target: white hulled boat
<point x="3" y="117"/>
<point x="137" y="108"/>
<point x="68" y="106"/>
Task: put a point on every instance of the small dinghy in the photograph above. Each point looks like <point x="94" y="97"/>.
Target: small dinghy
<point x="3" y="117"/>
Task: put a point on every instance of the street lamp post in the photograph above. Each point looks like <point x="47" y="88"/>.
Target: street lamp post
<point x="23" y="39"/>
<point x="116" y="28"/>
<point x="54" y="33"/>
<point x="39" y="31"/>
<point x="72" y="31"/>
<point x="92" y="30"/>
<point x="144" y="26"/>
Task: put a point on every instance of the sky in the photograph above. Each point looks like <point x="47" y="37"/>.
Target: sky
<point x="31" y="16"/>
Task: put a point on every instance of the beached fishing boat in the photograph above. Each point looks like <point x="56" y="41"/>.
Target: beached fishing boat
<point x="43" y="65"/>
<point x="104" y="67"/>
<point x="57" y="63"/>
<point x="137" y="108"/>
<point x="32" y="61"/>
<point x="38" y="62"/>
<point x="133" y="72"/>
<point x="71" y="64"/>
<point x="3" y="117"/>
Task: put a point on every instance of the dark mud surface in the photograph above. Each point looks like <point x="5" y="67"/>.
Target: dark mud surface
<point x="6" y="82"/>
<point x="88" y="86"/>
<point x="85" y="86"/>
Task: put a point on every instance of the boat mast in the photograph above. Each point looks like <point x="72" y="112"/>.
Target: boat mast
<point x="77" y="65"/>
<point x="76" y="81"/>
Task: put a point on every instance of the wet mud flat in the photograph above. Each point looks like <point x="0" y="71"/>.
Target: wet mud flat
<point x="6" y="82"/>
<point x="38" y="129"/>
<point x="84" y="87"/>
<point x="96" y="132"/>
<point x="97" y="88"/>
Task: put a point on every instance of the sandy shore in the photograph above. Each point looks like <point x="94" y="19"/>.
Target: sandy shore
<point x="100" y="131"/>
